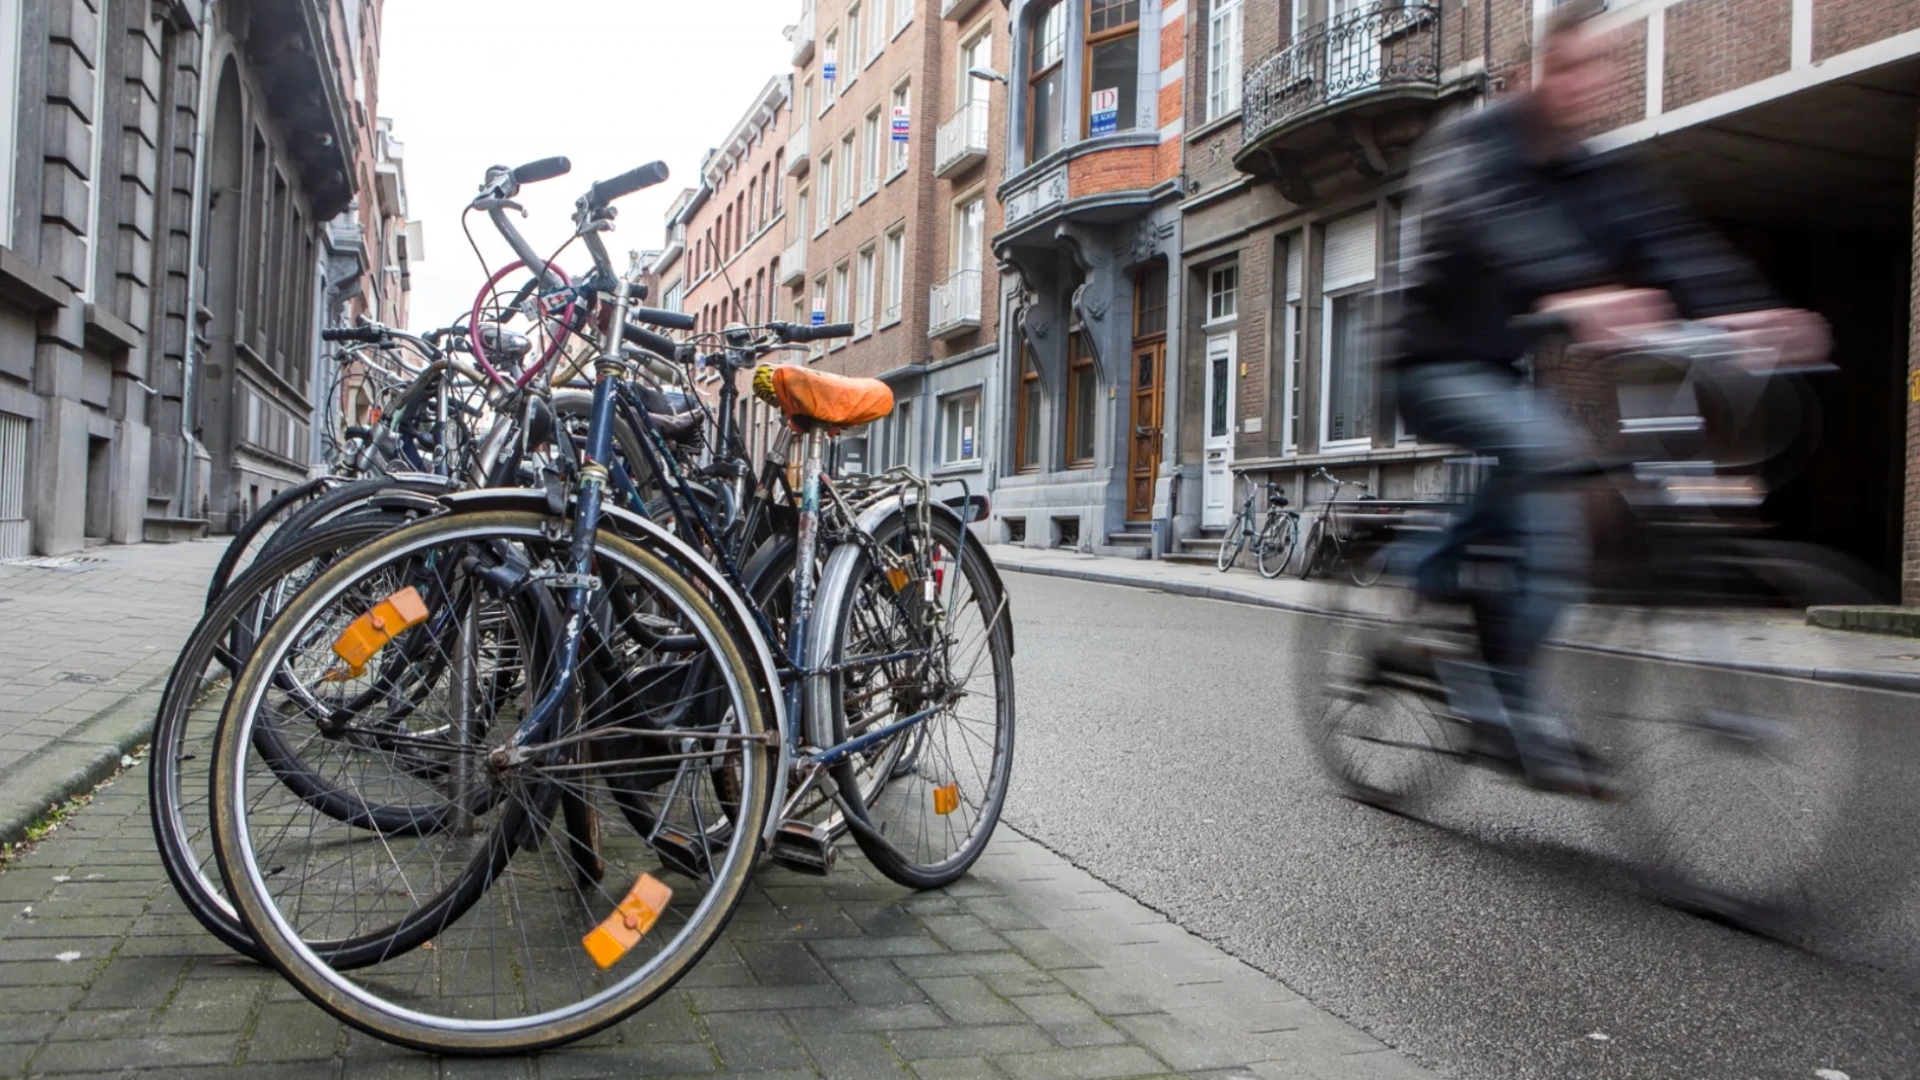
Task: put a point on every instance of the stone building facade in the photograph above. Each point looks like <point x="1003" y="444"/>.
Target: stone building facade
<point x="1789" y="123"/>
<point x="170" y="167"/>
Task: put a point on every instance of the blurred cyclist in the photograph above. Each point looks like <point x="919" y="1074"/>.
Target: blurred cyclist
<point x="1516" y="217"/>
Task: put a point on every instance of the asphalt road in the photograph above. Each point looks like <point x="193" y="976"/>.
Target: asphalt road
<point x="1500" y="934"/>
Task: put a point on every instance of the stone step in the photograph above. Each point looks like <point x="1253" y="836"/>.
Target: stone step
<point x="172" y="530"/>
<point x="1868" y="618"/>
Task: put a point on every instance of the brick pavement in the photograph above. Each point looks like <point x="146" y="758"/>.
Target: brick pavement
<point x="1028" y="969"/>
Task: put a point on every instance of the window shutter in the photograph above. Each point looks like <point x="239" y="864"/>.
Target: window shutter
<point x="1294" y="244"/>
<point x="1350" y="252"/>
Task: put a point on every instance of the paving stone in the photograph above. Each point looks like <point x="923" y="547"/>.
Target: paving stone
<point x="202" y="1006"/>
<point x="1000" y="913"/>
<point x="748" y="998"/>
<point x="1177" y="1044"/>
<point x="876" y="946"/>
<point x="106" y="1024"/>
<point x="26" y="1027"/>
<point x="960" y="1041"/>
<point x="1098" y="989"/>
<point x="968" y="1000"/>
<point x="135" y="981"/>
<point x="955" y="1069"/>
<point x="869" y="1018"/>
<point x="1091" y="1063"/>
<point x="782" y="963"/>
<point x="1046" y="950"/>
<point x="293" y="1031"/>
<point x="751" y="1041"/>
<point x="47" y="972"/>
<point x="963" y="933"/>
<point x="633" y="1059"/>
<point x="1069" y="1020"/>
<point x="874" y="982"/>
<point x="1021" y="983"/>
<point x="159" y="1051"/>
<point x="918" y="967"/>
<point x="853" y="1056"/>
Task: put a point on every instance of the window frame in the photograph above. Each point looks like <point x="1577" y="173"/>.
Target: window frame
<point x="834" y="87"/>
<point x="1026" y="407"/>
<point x="848" y="155"/>
<point x="1080" y="368"/>
<point x="1033" y="78"/>
<point x="12" y="53"/>
<point x="976" y="196"/>
<point x="1215" y="292"/>
<point x="893" y="290"/>
<point x="1328" y="335"/>
<point x="864" y="303"/>
<point x="824" y="215"/>
<point x="1223" y="100"/>
<point x="1091" y="41"/>
<point x="899" y="152"/>
<point x="840" y="300"/>
<point x="873" y="131"/>
<point x="956" y="399"/>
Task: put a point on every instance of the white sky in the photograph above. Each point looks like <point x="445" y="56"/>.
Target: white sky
<point x="620" y="83"/>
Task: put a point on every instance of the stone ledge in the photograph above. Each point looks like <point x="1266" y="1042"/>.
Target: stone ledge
<point x="1868" y="618"/>
<point x="28" y="286"/>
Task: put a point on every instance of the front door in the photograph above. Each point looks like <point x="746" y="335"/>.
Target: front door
<point x="1143" y="455"/>
<point x="1216" y="484"/>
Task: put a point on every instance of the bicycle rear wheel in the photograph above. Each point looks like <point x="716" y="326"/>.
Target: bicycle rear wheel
<point x="253" y="537"/>
<point x="1231" y="543"/>
<point x="604" y="805"/>
<point x="1275" y="545"/>
<point x="1385" y="739"/>
<point x="926" y="671"/>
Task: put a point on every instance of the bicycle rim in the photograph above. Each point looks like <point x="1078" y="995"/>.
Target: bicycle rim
<point x="1276" y="547"/>
<point x="614" y="795"/>
<point x="1230" y="544"/>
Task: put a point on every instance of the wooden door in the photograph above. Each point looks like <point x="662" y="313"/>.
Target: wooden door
<point x="1143" y="454"/>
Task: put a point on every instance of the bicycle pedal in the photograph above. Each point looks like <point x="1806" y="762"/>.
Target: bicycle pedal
<point x="678" y="853"/>
<point x="808" y="849"/>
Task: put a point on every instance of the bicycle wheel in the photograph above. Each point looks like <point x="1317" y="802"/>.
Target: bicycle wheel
<point x="555" y="835"/>
<point x="1231" y="543"/>
<point x="925" y="671"/>
<point x="1310" y="551"/>
<point x="260" y="528"/>
<point x="1385" y="739"/>
<point x="1276" y="545"/>
<point x="1367" y="565"/>
<point x="190" y="707"/>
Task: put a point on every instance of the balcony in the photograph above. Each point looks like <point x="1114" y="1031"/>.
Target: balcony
<point x="961" y="142"/>
<point x="957" y="9"/>
<point x="1365" y="66"/>
<point x="955" y="305"/>
<point x="802" y="37"/>
<point x="793" y="262"/>
<point x="797" y="150"/>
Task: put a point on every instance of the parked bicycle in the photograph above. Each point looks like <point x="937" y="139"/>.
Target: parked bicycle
<point x="1271" y="538"/>
<point x="1331" y="541"/>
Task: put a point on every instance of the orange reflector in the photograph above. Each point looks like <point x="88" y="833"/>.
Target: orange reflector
<point x="623" y="929"/>
<point x="897" y="577"/>
<point x="946" y="798"/>
<point x="370" y="633"/>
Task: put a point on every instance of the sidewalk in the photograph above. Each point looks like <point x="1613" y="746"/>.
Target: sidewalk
<point x="87" y="640"/>
<point x="1764" y="642"/>
<point x="1027" y="969"/>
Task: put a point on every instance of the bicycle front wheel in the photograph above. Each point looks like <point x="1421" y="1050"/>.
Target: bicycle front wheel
<point x="640" y="796"/>
<point x="1275" y="546"/>
<point x="1310" y="551"/>
<point x="1231" y="543"/>
<point x="926" y="672"/>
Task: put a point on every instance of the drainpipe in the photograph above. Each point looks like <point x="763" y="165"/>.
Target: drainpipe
<point x="196" y="222"/>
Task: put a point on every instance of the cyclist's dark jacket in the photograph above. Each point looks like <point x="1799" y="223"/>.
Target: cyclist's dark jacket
<point x="1499" y="230"/>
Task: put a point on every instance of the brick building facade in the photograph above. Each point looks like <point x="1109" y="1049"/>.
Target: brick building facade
<point x="1789" y="123"/>
<point x="169" y="168"/>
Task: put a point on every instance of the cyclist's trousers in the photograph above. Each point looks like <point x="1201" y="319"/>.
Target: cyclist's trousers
<point x="1490" y="411"/>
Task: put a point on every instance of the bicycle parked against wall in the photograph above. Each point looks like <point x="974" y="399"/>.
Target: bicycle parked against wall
<point x="1330" y="539"/>
<point x="1272" y="539"/>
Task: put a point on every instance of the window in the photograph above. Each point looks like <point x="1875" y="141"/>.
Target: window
<point x="806" y="98"/>
<point x="969" y="233"/>
<point x="1113" y="65"/>
<point x="902" y="106"/>
<point x="1295" y="336"/>
<point x="1223" y="58"/>
<point x="826" y="193"/>
<point x="1081" y="396"/>
<point x="906" y="436"/>
<point x="753" y="206"/>
<point x="1046" y="82"/>
<point x="844" y="181"/>
<point x="10" y="33"/>
<point x="1150" y="301"/>
<point x="854" y="42"/>
<point x="842" y="306"/>
<point x="1223" y="293"/>
<point x="1347" y="274"/>
<point x="959" y="424"/>
<point x="1026" y="413"/>
<point x="802" y="204"/>
<point x="779" y="185"/>
<point x="902" y="15"/>
<point x="977" y="52"/>
<point x="863" y="293"/>
<point x="876" y="31"/>
<point x="896" y="270"/>
<point x="1220" y="350"/>
<point x="820" y="308"/>
<point x="870" y="152"/>
<point x="830" y="71"/>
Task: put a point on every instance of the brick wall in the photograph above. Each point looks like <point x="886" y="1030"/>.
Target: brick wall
<point x="1844" y="25"/>
<point x="1627" y="98"/>
<point x="1717" y="45"/>
<point x="1910" y="565"/>
<point x="745" y="261"/>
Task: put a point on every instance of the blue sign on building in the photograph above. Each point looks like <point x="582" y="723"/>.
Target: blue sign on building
<point x="1104" y="118"/>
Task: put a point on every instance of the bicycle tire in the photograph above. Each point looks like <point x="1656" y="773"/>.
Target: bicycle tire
<point x="189" y="709"/>
<point x="1276" y="543"/>
<point x="1385" y="741"/>
<point x="908" y="855"/>
<point x="259" y="529"/>
<point x="524" y="825"/>
<point x="1368" y="570"/>
<point x="1231" y="542"/>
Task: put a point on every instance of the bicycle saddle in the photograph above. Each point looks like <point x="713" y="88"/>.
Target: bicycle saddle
<point x="836" y="401"/>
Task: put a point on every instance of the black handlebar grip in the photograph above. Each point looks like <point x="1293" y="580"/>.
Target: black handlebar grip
<point x="353" y="333"/>
<point x="672" y="320"/>
<point x="832" y="329"/>
<point x="605" y="191"/>
<point x="650" y="341"/>
<point x="545" y="169"/>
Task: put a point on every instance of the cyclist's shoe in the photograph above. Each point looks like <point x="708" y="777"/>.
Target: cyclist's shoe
<point x="1492" y="745"/>
<point x="1568" y="770"/>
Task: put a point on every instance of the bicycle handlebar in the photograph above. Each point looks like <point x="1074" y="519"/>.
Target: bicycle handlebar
<point x="672" y="320"/>
<point x="605" y="191"/>
<point x="796" y="332"/>
<point x="545" y="169"/>
<point x="368" y="335"/>
<point x="654" y="343"/>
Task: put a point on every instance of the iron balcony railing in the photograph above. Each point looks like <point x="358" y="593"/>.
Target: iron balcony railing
<point x="962" y="139"/>
<point x="1389" y="44"/>
<point x="955" y="304"/>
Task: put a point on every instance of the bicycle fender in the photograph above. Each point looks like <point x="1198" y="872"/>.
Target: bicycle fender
<point x="872" y="516"/>
<point x="631" y="526"/>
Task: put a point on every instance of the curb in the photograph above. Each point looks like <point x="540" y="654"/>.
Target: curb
<point x="1897" y="681"/>
<point x="75" y="762"/>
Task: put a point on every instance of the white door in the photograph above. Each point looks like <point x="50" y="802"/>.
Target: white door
<point x="1216" y="494"/>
